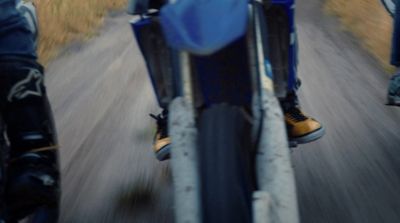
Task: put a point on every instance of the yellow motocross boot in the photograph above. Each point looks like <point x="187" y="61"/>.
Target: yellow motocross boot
<point x="301" y="128"/>
<point x="162" y="142"/>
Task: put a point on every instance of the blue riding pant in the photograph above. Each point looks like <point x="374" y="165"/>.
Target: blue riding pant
<point x="16" y="39"/>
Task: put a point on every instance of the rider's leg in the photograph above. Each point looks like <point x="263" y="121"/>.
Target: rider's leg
<point x="33" y="164"/>
<point x="284" y="54"/>
<point x="394" y="84"/>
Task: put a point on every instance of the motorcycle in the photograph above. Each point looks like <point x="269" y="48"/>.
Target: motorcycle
<point x="212" y="66"/>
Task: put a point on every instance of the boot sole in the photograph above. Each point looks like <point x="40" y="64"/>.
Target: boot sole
<point x="392" y="100"/>
<point x="164" y="153"/>
<point x="313" y="136"/>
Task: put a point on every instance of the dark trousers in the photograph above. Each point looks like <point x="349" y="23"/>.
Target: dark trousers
<point x="24" y="107"/>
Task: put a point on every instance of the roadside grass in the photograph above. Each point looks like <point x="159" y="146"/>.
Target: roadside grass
<point x="369" y="22"/>
<point x="62" y="22"/>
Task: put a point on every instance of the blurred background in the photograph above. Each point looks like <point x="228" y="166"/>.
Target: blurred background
<point x="369" y="22"/>
<point x="102" y="96"/>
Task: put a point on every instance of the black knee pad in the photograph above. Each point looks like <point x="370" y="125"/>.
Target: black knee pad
<point x="25" y="107"/>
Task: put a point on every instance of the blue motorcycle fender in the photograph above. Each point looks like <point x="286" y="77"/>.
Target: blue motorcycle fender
<point x="203" y="27"/>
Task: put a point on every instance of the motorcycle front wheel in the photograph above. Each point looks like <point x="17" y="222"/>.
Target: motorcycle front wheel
<point x="226" y="165"/>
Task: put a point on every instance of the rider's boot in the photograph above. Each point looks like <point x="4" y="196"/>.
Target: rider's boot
<point x="300" y="127"/>
<point x="32" y="172"/>
<point x="394" y="90"/>
<point x="162" y="141"/>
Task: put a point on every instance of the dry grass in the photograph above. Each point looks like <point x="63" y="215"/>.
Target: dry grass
<point x="368" y="21"/>
<point x="64" y="21"/>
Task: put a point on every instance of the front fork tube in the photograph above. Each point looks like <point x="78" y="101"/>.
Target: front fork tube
<point x="275" y="199"/>
<point x="183" y="133"/>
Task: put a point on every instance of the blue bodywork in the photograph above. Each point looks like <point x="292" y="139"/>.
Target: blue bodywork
<point x="203" y="26"/>
<point x="212" y="57"/>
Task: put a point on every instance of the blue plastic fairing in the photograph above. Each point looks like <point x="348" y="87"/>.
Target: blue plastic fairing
<point x="203" y="26"/>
